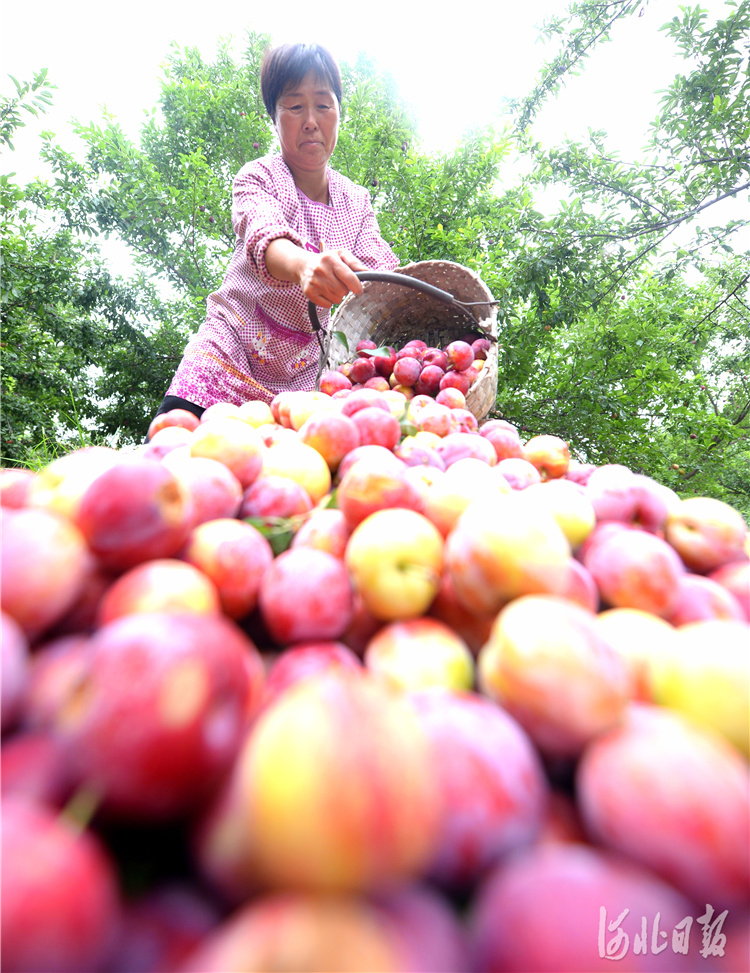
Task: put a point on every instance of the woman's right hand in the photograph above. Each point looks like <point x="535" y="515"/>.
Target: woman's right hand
<point x="328" y="277"/>
<point x="325" y="278"/>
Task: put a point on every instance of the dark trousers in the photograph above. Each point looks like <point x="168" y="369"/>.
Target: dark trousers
<point x="175" y="402"/>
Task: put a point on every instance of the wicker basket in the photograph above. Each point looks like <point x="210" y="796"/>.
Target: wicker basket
<point x="389" y="314"/>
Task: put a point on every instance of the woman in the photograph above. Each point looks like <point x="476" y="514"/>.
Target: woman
<point x="302" y="230"/>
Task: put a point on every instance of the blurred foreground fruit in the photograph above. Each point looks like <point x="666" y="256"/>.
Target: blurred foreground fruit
<point x="60" y="897"/>
<point x="135" y="511"/>
<point x="707" y="678"/>
<point x="706" y="533"/>
<point x="692" y="828"/>
<point x="634" y="569"/>
<point x="15" y="670"/>
<point x="495" y="554"/>
<point x="349" y="681"/>
<point x="420" y="653"/>
<point x="298" y="932"/>
<point x="547" y="664"/>
<point x="157" y="714"/>
<point x="357" y="805"/>
<point x="492" y="782"/>
<point x="569" y="907"/>
<point x="39" y="588"/>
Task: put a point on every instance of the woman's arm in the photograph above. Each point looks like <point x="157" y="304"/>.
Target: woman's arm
<point x="325" y="278"/>
<point x="277" y="252"/>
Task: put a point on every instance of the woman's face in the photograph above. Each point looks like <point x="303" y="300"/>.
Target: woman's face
<point x="307" y="123"/>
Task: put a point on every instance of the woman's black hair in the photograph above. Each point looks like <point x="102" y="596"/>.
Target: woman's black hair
<point x="285" y="66"/>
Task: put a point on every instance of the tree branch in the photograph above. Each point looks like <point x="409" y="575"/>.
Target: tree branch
<point x="729" y="296"/>
<point x="656" y="227"/>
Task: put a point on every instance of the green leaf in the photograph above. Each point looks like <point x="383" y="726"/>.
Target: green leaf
<point x="382" y="352"/>
<point x="340" y="336"/>
<point x="278" y="531"/>
<point x="331" y="502"/>
<point x="407" y="428"/>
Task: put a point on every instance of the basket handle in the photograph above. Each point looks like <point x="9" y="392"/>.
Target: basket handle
<point x="387" y="277"/>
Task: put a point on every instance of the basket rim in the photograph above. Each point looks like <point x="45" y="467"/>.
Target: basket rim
<point x="391" y="315"/>
<point x="375" y="293"/>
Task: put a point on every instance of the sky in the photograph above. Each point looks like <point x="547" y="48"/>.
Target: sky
<point x="453" y="68"/>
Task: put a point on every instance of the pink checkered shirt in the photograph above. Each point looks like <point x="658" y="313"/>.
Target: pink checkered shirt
<point x="257" y="338"/>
